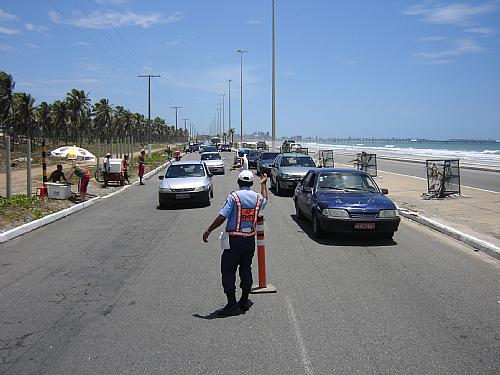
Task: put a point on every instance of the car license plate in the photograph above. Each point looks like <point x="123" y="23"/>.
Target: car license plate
<point x="364" y="226"/>
<point x="182" y="196"/>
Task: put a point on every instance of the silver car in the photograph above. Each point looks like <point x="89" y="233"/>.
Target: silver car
<point x="214" y="162"/>
<point x="186" y="181"/>
<point x="288" y="169"/>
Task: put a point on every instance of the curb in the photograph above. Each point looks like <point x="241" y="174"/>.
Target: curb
<point x="475" y="243"/>
<point x="35" y="224"/>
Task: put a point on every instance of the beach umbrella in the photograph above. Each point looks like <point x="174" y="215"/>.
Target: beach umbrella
<point x="73" y="153"/>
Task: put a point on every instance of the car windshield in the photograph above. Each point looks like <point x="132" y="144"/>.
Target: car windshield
<point x="210" y="156"/>
<point x="209" y="149"/>
<point x="297" y="161"/>
<point x="346" y="182"/>
<point x="254" y="153"/>
<point x="185" y="170"/>
<point x="269" y="156"/>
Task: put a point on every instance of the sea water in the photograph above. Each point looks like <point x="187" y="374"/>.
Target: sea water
<point x="487" y="154"/>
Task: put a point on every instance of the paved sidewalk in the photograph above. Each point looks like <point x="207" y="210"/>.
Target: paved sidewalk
<point x="475" y="212"/>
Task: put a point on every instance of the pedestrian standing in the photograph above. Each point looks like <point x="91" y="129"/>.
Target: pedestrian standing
<point x="84" y="175"/>
<point x="241" y="210"/>
<point x="125" y="168"/>
<point x="142" y="164"/>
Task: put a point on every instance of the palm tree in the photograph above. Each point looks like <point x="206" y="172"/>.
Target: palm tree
<point x="23" y="115"/>
<point x="43" y="120"/>
<point x="6" y="88"/>
<point x="231" y="132"/>
<point x="59" y="117"/>
<point x="103" y="115"/>
<point x="78" y="105"/>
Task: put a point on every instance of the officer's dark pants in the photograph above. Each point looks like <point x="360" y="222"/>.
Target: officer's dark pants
<point x="240" y="254"/>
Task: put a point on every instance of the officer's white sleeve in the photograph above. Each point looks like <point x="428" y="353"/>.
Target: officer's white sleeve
<point x="245" y="162"/>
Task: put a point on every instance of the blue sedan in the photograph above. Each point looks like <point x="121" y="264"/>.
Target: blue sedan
<point x="345" y="201"/>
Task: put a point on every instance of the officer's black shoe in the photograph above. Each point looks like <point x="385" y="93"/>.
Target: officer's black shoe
<point x="245" y="304"/>
<point x="231" y="309"/>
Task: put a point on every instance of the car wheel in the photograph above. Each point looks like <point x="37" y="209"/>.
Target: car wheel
<point x="388" y="235"/>
<point x="278" y="190"/>
<point x="271" y="183"/>
<point x="298" y="213"/>
<point x="318" y="232"/>
<point x="212" y="193"/>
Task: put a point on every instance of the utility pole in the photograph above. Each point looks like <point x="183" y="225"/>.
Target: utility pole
<point x="176" y="108"/>
<point x="149" y="76"/>
<point x="223" y="116"/>
<point x="218" y="120"/>
<point x="185" y="119"/>
<point x="273" y="136"/>
<point x="229" y="101"/>
<point x="241" y="51"/>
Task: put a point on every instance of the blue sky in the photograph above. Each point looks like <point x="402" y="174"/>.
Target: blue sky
<point x="387" y="68"/>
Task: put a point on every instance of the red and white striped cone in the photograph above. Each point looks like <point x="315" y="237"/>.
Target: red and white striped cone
<point x="263" y="286"/>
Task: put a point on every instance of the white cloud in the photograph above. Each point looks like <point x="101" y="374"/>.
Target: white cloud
<point x="83" y="43"/>
<point x="432" y="39"/>
<point x="459" y="47"/>
<point x="457" y="14"/>
<point x="485" y="31"/>
<point x="114" y="2"/>
<point x="36" y="29"/>
<point x="254" y="22"/>
<point x="35" y="46"/>
<point x="172" y="43"/>
<point x="5" y="47"/>
<point x="8" y="31"/>
<point x="8" y="16"/>
<point x="70" y="81"/>
<point x="100" y="20"/>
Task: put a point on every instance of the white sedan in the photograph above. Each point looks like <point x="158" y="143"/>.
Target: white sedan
<point x="214" y="162"/>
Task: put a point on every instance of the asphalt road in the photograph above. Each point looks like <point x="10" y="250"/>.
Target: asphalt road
<point x="468" y="177"/>
<point x="125" y="288"/>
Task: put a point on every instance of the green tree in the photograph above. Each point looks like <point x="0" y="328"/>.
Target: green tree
<point x="23" y="116"/>
<point x="78" y="107"/>
<point x="59" y="117"/>
<point x="6" y="89"/>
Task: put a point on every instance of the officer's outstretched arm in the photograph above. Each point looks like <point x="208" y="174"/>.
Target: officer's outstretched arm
<point x="215" y="224"/>
<point x="263" y="185"/>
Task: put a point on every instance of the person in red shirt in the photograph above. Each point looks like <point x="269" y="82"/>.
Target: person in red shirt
<point x="125" y="168"/>
<point x="142" y="164"/>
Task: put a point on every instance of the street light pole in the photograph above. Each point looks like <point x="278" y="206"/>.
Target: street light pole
<point x="241" y="51"/>
<point x="176" y="108"/>
<point x="223" y="116"/>
<point x="149" y="76"/>
<point x="229" y="101"/>
<point x="273" y="136"/>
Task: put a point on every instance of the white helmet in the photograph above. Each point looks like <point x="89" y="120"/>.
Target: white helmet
<point x="246" y="176"/>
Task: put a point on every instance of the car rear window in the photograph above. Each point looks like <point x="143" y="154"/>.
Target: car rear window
<point x="210" y="157"/>
<point x="185" y="170"/>
<point x="269" y="155"/>
<point x="297" y="161"/>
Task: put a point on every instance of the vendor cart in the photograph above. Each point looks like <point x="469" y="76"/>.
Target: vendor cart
<point x="112" y="173"/>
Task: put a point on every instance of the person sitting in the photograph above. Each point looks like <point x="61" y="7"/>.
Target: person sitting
<point x="58" y="174"/>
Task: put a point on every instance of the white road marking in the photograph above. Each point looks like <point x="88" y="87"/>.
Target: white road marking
<point x="424" y="179"/>
<point x="306" y="362"/>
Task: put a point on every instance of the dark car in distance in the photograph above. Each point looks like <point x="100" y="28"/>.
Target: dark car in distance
<point x="224" y="147"/>
<point x="252" y="157"/>
<point x="345" y="201"/>
<point x="264" y="162"/>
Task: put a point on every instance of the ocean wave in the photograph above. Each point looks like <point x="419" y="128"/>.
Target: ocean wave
<point x="494" y="152"/>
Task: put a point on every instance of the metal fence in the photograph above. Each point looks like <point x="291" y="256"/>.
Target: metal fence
<point x="366" y="162"/>
<point x="443" y="177"/>
<point x="326" y="159"/>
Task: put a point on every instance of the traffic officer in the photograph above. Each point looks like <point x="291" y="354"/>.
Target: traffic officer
<point x="241" y="210"/>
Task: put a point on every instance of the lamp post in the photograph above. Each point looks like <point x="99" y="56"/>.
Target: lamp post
<point x="241" y="51"/>
<point x="229" y="101"/>
<point x="223" y="116"/>
<point x="176" y="108"/>
<point x="273" y="136"/>
<point x="149" y="76"/>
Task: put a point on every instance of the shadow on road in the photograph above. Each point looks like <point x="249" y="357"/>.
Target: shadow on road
<point x="333" y="239"/>
<point x="185" y="206"/>
<point x="214" y="315"/>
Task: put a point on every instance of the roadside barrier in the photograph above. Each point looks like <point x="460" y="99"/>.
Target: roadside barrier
<point x="263" y="286"/>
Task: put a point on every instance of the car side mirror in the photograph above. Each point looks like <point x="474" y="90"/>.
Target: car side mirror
<point x="384" y="191"/>
<point x="210" y="175"/>
<point x="160" y="177"/>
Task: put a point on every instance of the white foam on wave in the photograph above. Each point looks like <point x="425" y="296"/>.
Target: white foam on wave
<point x="486" y="157"/>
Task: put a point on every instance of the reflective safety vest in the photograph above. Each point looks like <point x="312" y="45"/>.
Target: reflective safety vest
<point x="245" y="214"/>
